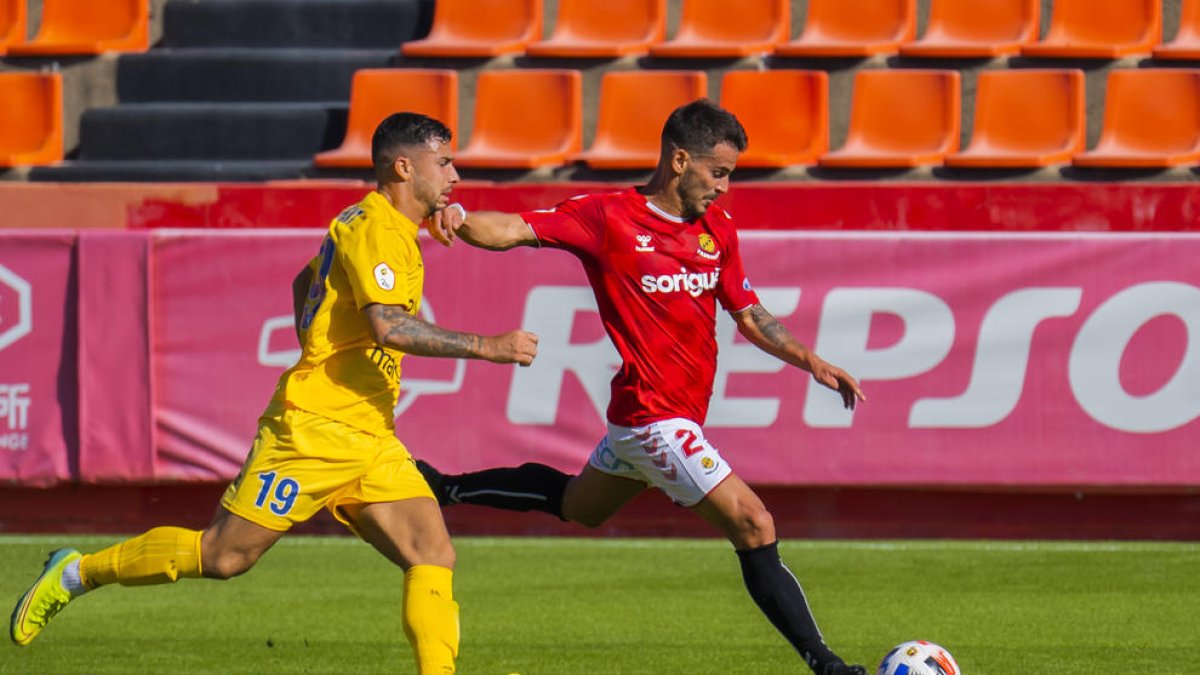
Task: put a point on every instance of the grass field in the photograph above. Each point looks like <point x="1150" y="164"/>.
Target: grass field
<point x="634" y="606"/>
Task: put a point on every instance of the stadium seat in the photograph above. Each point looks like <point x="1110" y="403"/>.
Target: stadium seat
<point x="785" y="113"/>
<point x="976" y="29"/>
<point x="525" y="119"/>
<point x="855" y="28"/>
<point x="479" y="28"/>
<point x="900" y="118"/>
<point x="1186" y="44"/>
<point x="1026" y="118"/>
<point x="721" y="29"/>
<point x="633" y="107"/>
<point x="1100" y="29"/>
<point x="31" y="119"/>
<point x="70" y="27"/>
<point x="376" y="93"/>
<point x="1151" y="119"/>
<point x="604" y="29"/>
<point x="12" y="23"/>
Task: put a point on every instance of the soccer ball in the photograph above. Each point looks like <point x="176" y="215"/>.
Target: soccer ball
<point x="918" y="658"/>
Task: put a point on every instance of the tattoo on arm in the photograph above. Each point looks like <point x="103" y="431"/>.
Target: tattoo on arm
<point x="775" y="332"/>
<point x="415" y="336"/>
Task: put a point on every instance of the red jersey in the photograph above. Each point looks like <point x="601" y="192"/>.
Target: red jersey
<point x="656" y="279"/>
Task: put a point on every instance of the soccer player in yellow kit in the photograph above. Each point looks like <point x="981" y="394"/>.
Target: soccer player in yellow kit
<point x="327" y="438"/>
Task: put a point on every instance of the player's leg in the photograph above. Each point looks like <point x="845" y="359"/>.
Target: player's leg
<point x="529" y="487"/>
<point x="741" y="516"/>
<point x="393" y="509"/>
<point x="161" y="555"/>
<point x="412" y="535"/>
<point x="592" y="497"/>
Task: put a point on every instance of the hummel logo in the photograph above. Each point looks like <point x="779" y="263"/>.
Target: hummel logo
<point x="644" y="243"/>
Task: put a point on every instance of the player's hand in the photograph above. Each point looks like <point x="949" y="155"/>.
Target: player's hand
<point x="444" y="223"/>
<point x="517" y="346"/>
<point x="838" y="380"/>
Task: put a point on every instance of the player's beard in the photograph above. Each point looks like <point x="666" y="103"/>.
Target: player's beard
<point x="428" y="196"/>
<point x="692" y="194"/>
<point x="694" y="205"/>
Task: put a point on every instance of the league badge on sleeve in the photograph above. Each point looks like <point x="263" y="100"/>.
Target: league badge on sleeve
<point x="385" y="277"/>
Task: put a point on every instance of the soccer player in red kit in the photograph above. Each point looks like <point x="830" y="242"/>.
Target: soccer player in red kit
<point x="659" y="258"/>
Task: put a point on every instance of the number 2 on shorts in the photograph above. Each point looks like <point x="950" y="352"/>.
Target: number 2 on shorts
<point x="284" y="496"/>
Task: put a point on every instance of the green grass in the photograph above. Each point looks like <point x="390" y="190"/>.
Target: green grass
<point x="633" y="606"/>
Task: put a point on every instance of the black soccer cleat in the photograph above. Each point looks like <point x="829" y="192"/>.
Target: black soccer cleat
<point x="436" y="483"/>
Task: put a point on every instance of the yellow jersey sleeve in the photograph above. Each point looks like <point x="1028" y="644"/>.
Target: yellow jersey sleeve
<point x="381" y="267"/>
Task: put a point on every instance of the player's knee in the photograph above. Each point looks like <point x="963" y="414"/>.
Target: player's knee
<point x="444" y="555"/>
<point x="754" y="527"/>
<point x="227" y="564"/>
<point x="440" y="553"/>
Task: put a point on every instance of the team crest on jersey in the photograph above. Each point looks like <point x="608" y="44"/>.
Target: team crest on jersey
<point x="385" y="277"/>
<point x="708" y="247"/>
<point x="645" y="244"/>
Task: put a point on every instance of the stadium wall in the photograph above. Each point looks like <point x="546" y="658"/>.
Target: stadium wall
<point x="1022" y="380"/>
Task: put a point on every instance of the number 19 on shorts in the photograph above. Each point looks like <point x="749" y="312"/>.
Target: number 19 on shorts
<point x="281" y="495"/>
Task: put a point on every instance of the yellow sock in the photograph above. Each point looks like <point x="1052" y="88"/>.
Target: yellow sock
<point x="159" y="556"/>
<point x="431" y="618"/>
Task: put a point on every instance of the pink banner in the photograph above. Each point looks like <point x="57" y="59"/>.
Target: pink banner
<point x="116" y="392"/>
<point x="1041" y="360"/>
<point x="989" y="359"/>
<point x="37" y="357"/>
<point x="217" y="304"/>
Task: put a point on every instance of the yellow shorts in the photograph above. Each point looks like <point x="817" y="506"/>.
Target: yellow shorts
<point x="301" y="463"/>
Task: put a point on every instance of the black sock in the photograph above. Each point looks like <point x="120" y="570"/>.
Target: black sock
<point x="529" y="487"/>
<point x="778" y="594"/>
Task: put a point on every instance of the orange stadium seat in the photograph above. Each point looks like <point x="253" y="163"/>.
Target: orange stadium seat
<point x="12" y="23"/>
<point x="633" y="107"/>
<point x="31" y="119"/>
<point x="1100" y="29"/>
<point x="525" y="119"/>
<point x="785" y="113"/>
<point x="93" y="27"/>
<point x="900" y="118"/>
<point x="977" y="29"/>
<point x="479" y="28"/>
<point x="1151" y="119"/>
<point x="853" y="28"/>
<point x="1186" y="44"/>
<point x="1026" y="118"/>
<point x="720" y="29"/>
<point x="604" y="28"/>
<point x="376" y="93"/>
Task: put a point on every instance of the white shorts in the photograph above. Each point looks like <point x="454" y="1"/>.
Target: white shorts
<point x="671" y="454"/>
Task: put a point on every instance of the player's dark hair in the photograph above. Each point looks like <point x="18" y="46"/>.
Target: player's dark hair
<point x="700" y="125"/>
<point x="400" y="129"/>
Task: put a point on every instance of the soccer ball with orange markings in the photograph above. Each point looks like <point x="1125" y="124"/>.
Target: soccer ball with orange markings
<point x="918" y="658"/>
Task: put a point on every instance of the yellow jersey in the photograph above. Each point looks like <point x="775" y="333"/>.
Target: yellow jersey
<point x="371" y="255"/>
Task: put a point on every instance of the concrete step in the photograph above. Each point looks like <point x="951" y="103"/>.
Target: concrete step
<point x="211" y="131"/>
<point x="358" y="24"/>
<point x="243" y="74"/>
<point x="168" y="171"/>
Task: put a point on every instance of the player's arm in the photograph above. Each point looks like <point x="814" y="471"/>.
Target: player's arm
<point x="392" y="326"/>
<point x="300" y="289"/>
<point x="763" y="330"/>
<point x="492" y="230"/>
